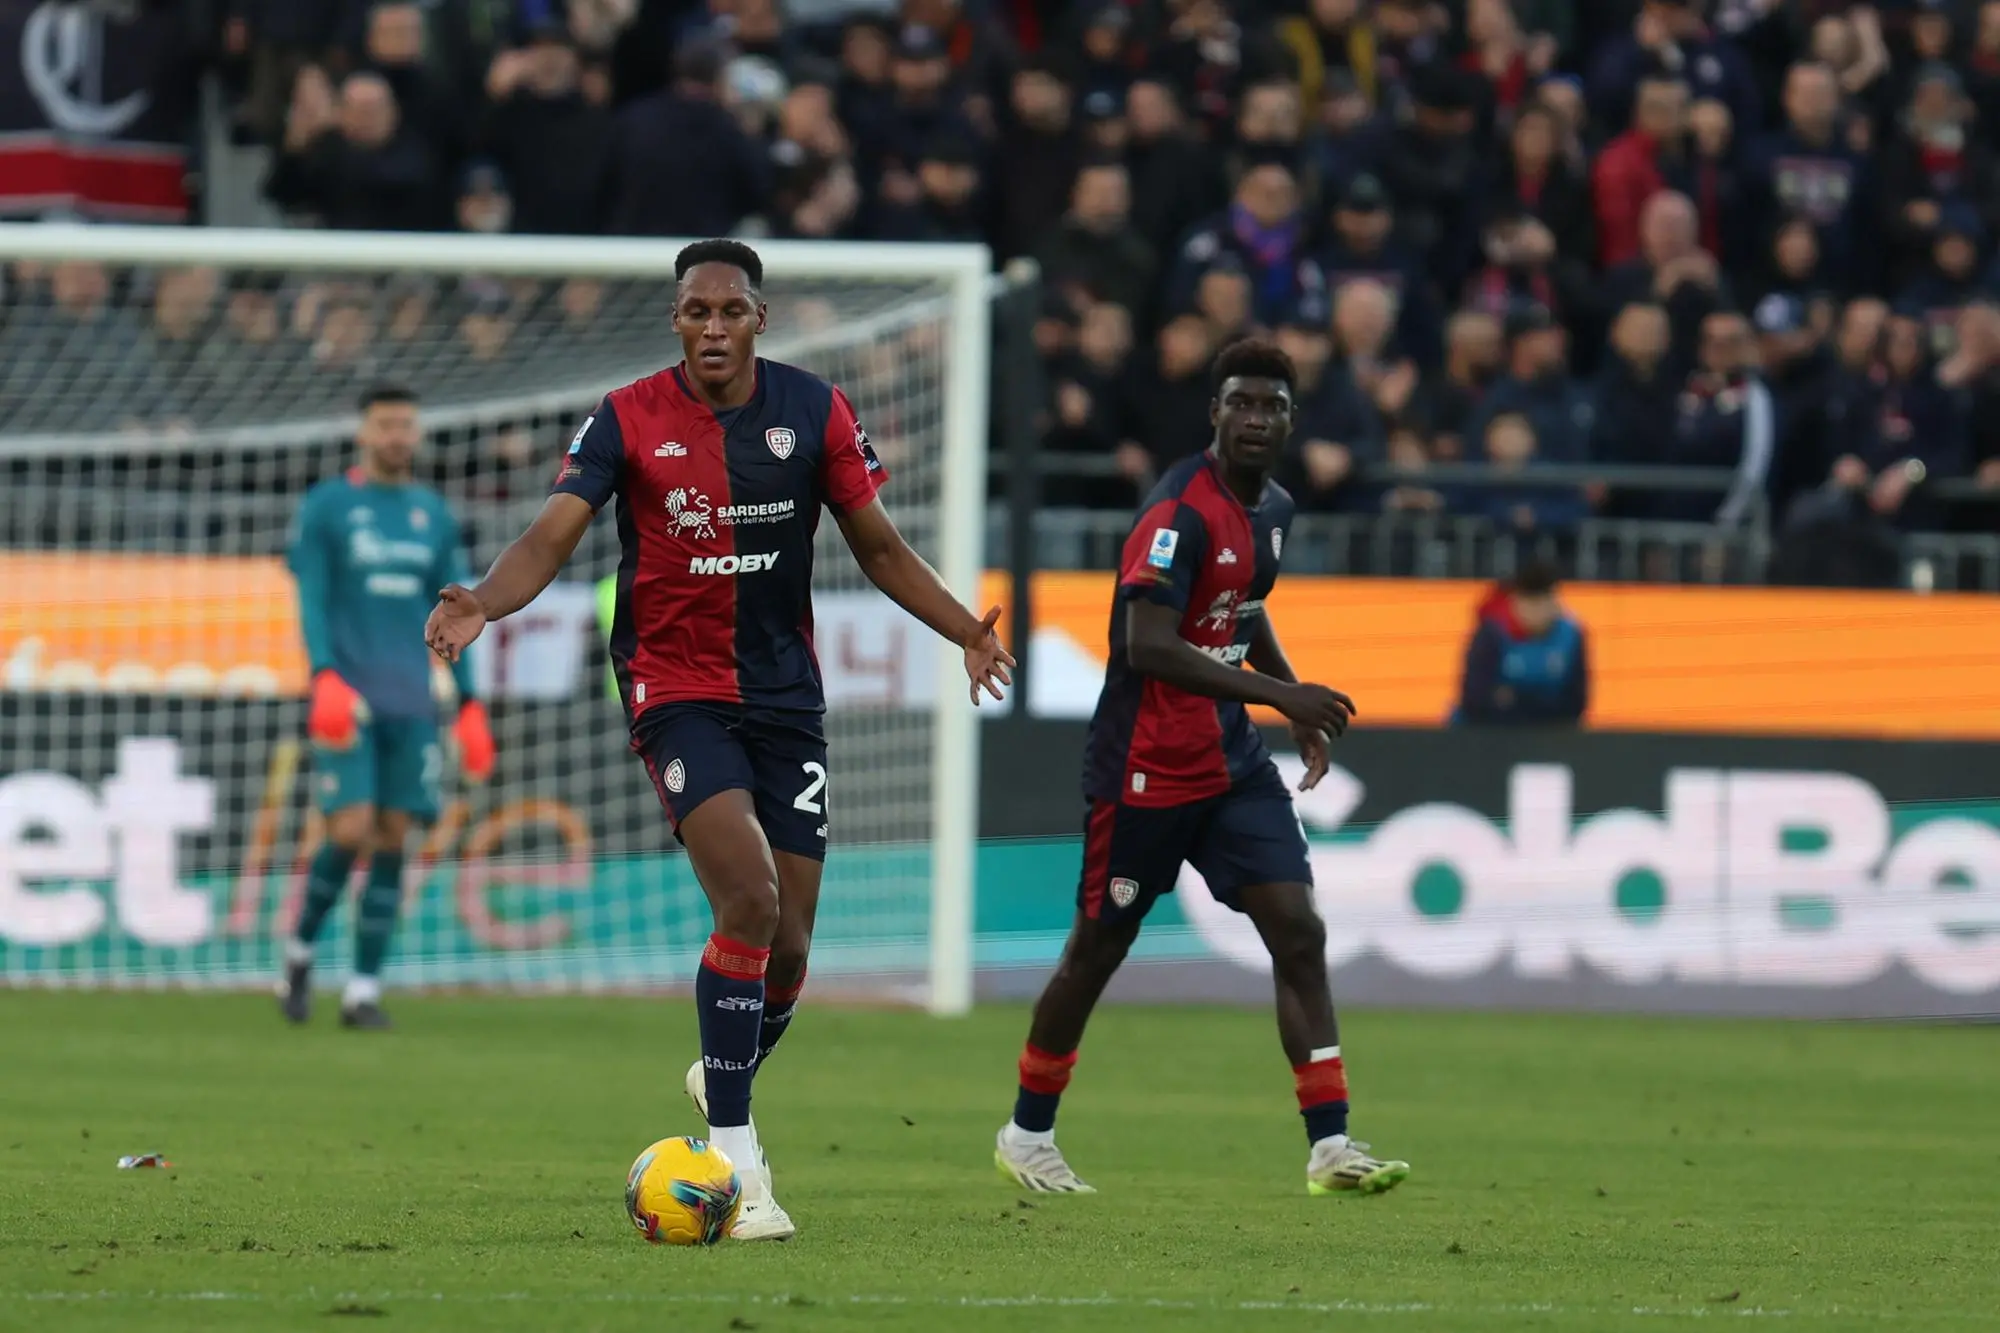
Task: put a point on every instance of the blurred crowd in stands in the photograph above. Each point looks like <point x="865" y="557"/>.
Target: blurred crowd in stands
<point x="1750" y="236"/>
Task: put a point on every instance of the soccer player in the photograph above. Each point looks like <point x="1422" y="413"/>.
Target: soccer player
<point x="721" y="465"/>
<point x="367" y="549"/>
<point x="1174" y="772"/>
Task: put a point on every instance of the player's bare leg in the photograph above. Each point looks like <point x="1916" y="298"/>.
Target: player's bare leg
<point x="345" y="839"/>
<point x="1026" y="1149"/>
<point x="1310" y="1033"/>
<point x="733" y="861"/>
<point x="375" y="922"/>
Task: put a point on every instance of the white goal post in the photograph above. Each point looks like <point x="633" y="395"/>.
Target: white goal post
<point x="166" y="396"/>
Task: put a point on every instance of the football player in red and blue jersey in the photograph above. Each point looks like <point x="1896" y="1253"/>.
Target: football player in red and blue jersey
<point x="721" y="465"/>
<point x="1175" y="773"/>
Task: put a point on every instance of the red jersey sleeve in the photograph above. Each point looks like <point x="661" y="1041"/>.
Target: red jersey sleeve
<point x="849" y="471"/>
<point x="1163" y="555"/>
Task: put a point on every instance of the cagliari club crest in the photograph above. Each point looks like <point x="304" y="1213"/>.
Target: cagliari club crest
<point x="781" y="441"/>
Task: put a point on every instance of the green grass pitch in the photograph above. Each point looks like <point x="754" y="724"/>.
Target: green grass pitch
<point x="465" y="1172"/>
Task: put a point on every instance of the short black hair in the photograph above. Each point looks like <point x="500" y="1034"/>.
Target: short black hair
<point x="721" y="251"/>
<point x="1254" y="358"/>
<point x="395" y="395"/>
<point x="1537" y="577"/>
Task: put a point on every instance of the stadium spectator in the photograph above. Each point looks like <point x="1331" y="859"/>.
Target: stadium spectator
<point x="546" y="135"/>
<point x="1807" y="168"/>
<point x="1095" y="249"/>
<point x="1539" y="180"/>
<point x="1331" y="40"/>
<point x="1175" y="178"/>
<point x="817" y="190"/>
<point x="1727" y="229"/>
<point x="1528" y="663"/>
<point x="1522" y="509"/>
<point x="355" y="164"/>
<point x="1726" y="419"/>
<point x="1931" y="167"/>
<point x="1039" y="152"/>
<point x="1634" y="396"/>
<point x="1263" y="234"/>
<point x="1270" y="127"/>
<point x="1093" y="396"/>
<point x="1538" y="386"/>
<point x="1635" y="166"/>
<point x="1447" y="398"/>
<point x="1796" y="365"/>
<point x="1341" y="425"/>
<point x="661" y="145"/>
<point x="1436" y="168"/>
<point x="1168" y="419"/>
<point x="1671" y="269"/>
<point x="399" y="47"/>
<point x="1363" y="244"/>
<point x="1670" y="36"/>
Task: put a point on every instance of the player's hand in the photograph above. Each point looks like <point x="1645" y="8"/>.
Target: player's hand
<point x="1312" y="748"/>
<point x="1319" y="708"/>
<point x="455" y="622"/>
<point x="335" y="713"/>
<point x="474" y="732"/>
<point x="987" y="663"/>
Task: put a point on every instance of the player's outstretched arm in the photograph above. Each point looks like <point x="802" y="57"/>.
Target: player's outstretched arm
<point x="1267" y="658"/>
<point x="1154" y="647"/>
<point x="530" y="562"/>
<point x="912" y="584"/>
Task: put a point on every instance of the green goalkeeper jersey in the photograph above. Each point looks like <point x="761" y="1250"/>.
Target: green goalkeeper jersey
<point x="369" y="559"/>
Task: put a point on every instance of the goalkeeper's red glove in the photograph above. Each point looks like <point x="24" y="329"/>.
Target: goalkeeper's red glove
<point x="336" y="713"/>
<point x="475" y="741"/>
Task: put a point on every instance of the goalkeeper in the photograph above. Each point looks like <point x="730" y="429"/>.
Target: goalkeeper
<point x="369" y="549"/>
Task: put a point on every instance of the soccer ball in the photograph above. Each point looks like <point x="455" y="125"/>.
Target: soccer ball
<point x="683" y="1192"/>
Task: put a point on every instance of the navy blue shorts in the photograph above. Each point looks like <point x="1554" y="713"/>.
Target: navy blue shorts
<point x="695" y="750"/>
<point x="1132" y="854"/>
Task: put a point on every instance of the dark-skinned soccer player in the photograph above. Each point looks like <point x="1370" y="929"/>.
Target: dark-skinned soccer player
<point x="721" y="465"/>
<point x="1176" y="773"/>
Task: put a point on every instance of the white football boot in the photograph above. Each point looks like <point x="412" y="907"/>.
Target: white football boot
<point x="760" y="1217"/>
<point x="1034" y="1164"/>
<point x="1340" y="1164"/>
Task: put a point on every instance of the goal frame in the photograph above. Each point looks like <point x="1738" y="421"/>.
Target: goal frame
<point x="964" y="269"/>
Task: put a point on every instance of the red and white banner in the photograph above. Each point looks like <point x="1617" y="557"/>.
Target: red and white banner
<point x="94" y="113"/>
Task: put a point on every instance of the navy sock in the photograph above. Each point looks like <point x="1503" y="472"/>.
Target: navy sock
<point x="779" y="1006"/>
<point x="381" y="900"/>
<point x="729" y="1000"/>
<point x="1044" y="1076"/>
<point x="326" y="880"/>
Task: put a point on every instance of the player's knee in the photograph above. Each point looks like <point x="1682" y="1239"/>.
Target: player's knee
<point x="352" y="829"/>
<point x="747" y="911"/>
<point x="1097" y="946"/>
<point x="1299" y="945"/>
<point x="789" y="949"/>
<point x="392" y="830"/>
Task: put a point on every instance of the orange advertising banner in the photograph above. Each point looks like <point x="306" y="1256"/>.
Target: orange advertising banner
<point x="1746" y="660"/>
<point x="93" y="621"/>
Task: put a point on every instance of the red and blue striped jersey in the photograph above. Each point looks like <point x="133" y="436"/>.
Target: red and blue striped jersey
<point x="716" y="517"/>
<point x="1197" y="549"/>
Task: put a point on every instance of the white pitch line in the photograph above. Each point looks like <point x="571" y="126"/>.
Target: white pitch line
<point x="951" y="1302"/>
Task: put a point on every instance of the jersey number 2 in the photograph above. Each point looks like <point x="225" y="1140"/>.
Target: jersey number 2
<point x="808" y="800"/>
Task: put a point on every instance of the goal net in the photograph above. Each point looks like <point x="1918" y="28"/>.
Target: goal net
<point x="167" y="398"/>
